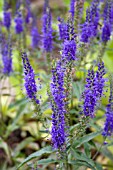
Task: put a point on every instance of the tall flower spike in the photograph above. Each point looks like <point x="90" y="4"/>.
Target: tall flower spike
<point x="69" y="45"/>
<point x="111" y="15"/>
<point x="108" y="125"/>
<point x="7" y="16"/>
<point x="47" y="30"/>
<point x="106" y="32"/>
<point x="30" y="84"/>
<point x="89" y="28"/>
<point x="58" y="106"/>
<point x="93" y="90"/>
<point x="99" y="81"/>
<point x="69" y="50"/>
<point x="35" y="37"/>
<point x="19" y="23"/>
<point x="29" y="13"/>
<point x="63" y="29"/>
<point x="7" y="59"/>
<point x="18" y="4"/>
<point x="89" y="97"/>
<point x="107" y="27"/>
<point x="72" y="8"/>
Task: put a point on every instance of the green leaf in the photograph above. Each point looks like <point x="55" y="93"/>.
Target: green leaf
<point x="78" y="89"/>
<point x="45" y="150"/>
<point x="87" y="150"/>
<point x="82" y="157"/>
<point x="98" y="166"/>
<point x="46" y="161"/>
<point x="80" y="163"/>
<point x="4" y="145"/>
<point x="85" y="139"/>
<point x="107" y="153"/>
<point x="13" y="126"/>
<point x="22" y="145"/>
<point x="18" y="103"/>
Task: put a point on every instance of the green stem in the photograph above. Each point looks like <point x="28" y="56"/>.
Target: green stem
<point x="99" y="149"/>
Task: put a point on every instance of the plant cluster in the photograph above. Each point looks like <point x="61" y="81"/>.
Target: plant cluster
<point x="59" y="66"/>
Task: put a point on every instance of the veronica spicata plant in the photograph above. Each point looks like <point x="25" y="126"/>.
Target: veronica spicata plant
<point x="70" y="102"/>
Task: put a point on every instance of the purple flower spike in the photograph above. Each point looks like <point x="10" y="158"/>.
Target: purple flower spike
<point x="108" y="126"/>
<point x="28" y="16"/>
<point x="30" y="84"/>
<point x="58" y="105"/>
<point x="47" y="29"/>
<point x="99" y="81"/>
<point x="69" y="50"/>
<point x="106" y="32"/>
<point x="7" y="19"/>
<point x="93" y="90"/>
<point x="7" y="59"/>
<point x="35" y="37"/>
<point x="63" y="30"/>
<point x="89" y="97"/>
<point x="72" y="8"/>
<point x="19" y="23"/>
<point x="6" y="16"/>
<point x="89" y="28"/>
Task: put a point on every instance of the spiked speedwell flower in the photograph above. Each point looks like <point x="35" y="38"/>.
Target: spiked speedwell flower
<point x="19" y="23"/>
<point x="93" y="90"/>
<point x="7" y="15"/>
<point x="63" y="30"/>
<point x="89" y="28"/>
<point x="108" y="126"/>
<point x="69" y="50"/>
<point x="106" y="32"/>
<point x="58" y="106"/>
<point x="35" y="37"/>
<point x="7" y="59"/>
<point x="47" y="30"/>
<point x="107" y="27"/>
<point x="30" y="84"/>
<point x="7" y="19"/>
<point x="72" y="8"/>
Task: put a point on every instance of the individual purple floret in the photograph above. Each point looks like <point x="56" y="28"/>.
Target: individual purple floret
<point x="47" y="30"/>
<point x="7" y="19"/>
<point x="69" y="50"/>
<point x="7" y="59"/>
<point x="35" y="37"/>
<point x="58" y="105"/>
<point x="72" y="8"/>
<point x="19" y="23"/>
<point x="29" y="76"/>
